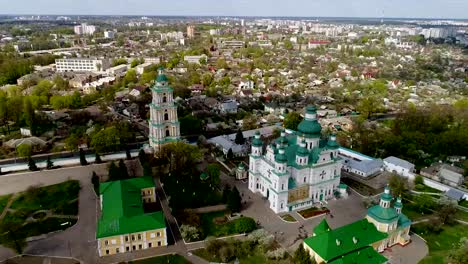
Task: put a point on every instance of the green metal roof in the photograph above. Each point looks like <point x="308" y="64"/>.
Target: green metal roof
<point x="302" y="151"/>
<point x="367" y="255"/>
<point x="162" y="78"/>
<point x="127" y="225"/>
<point x="122" y="208"/>
<point x="309" y="127"/>
<point x="256" y="142"/>
<point x="281" y="158"/>
<point x="381" y="214"/>
<point x="336" y="243"/>
<point x="332" y="144"/>
<point x="403" y="221"/>
<point x="342" y="186"/>
<point x="203" y="176"/>
<point x="321" y="228"/>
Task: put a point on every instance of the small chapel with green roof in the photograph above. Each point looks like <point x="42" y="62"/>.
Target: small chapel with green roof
<point x="360" y="242"/>
<point x="298" y="169"/>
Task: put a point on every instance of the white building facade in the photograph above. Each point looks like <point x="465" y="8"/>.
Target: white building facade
<point x="164" y="126"/>
<point x="297" y="170"/>
<point x="81" y="65"/>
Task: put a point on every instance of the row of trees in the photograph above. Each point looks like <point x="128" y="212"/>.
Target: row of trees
<point x="419" y="135"/>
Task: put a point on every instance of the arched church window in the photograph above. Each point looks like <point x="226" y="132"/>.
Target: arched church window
<point x="167" y="132"/>
<point x="164" y="98"/>
<point x="166" y="116"/>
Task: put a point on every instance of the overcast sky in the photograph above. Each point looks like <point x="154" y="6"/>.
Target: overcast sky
<point x="334" y="8"/>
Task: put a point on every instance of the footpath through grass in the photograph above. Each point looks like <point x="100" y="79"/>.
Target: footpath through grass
<point x="27" y="217"/>
<point x="440" y="243"/>
<point x="167" y="259"/>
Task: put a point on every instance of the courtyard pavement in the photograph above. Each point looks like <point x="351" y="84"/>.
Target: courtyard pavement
<point x="342" y="212"/>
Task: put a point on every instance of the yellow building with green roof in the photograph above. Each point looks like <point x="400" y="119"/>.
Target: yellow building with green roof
<point x="123" y="225"/>
<point x="353" y="243"/>
<point x="359" y="242"/>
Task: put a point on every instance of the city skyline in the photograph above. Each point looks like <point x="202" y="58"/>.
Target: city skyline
<point x="451" y="9"/>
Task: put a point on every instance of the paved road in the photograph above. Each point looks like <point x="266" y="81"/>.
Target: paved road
<point x="18" y="182"/>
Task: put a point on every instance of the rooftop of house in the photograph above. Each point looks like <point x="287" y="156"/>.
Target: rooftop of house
<point x="399" y="162"/>
<point x="334" y="244"/>
<point x="122" y="208"/>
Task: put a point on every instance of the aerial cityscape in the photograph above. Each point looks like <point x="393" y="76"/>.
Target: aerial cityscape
<point x="300" y="132"/>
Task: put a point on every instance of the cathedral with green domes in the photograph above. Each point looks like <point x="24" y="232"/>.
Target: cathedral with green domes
<point x="297" y="170"/>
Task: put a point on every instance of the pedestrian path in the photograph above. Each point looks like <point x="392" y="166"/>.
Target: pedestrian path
<point x="7" y="207"/>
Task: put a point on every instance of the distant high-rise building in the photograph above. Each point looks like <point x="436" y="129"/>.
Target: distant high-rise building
<point x="190" y="31"/>
<point x="85" y="29"/>
<point x="242" y="22"/>
<point x="109" y="34"/>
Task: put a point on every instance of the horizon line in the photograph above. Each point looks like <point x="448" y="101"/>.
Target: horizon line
<point x="233" y="16"/>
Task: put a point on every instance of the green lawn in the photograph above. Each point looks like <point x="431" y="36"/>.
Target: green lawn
<point x="167" y="259"/>
<point x="50" y="197"/>
<point x="210" y="228"/>
<point x="440" y="243"/>
<point x="425" y="188"/>
<point x="288" y="218"/>
<point x="463" y="203"/>
<point x="3" y="201"/>
<point x="257" y="258"/>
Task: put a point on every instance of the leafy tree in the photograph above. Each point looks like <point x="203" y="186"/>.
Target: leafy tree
<point x="369" y="105"/>
<point x="190" y="233"/>
<point x="127" y="153"/>
<point x="50" y="164"/>
<point x="234" y="201"/>
<point x="424" y="202"/>
<point x="301" y="256"/>
<point x="230" y="154"/>
<point x="95" y="182"/>
<point x="418" y="180"/>
<point x="98" y="160"/>
<point x="398" y="185"/>
<point x="180" y="156"/>
<point x="142" y="156"/>
<point x="29" y="115"/>
<point x="32" y="165"/>
<point x="190" y="125"/>
<point x="24" y="150"/>
<point x="114" y="173"/>
<point x="119" y="61"/>
<point x="213" y="170"/>
<point x="83" y="160"/>
<point x="459" y="255"/>
<point x="288" y="45"/>
<point x="446" y="212"/>
<point x="226" y="192"/>
<point x="240" y="140"/>
<point x="123" y="170"/>
<point x="107" y="139"/>
<point x="292" y="120"/>
<point x="130" y="77"/>
<point x="72" y="142"/>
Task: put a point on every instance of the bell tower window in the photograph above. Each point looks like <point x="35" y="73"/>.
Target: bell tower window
<point x="167" y="132"/>
<point x="164" y="98"/>
<point x="166" y="116"/>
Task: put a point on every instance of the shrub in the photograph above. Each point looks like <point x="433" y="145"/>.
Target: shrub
<point x="190" y="233"/>
<point x="279" y="253"/>
<point x="245" y="225"/>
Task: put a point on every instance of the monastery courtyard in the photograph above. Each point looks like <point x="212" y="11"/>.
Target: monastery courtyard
<point x="342" y="212"/>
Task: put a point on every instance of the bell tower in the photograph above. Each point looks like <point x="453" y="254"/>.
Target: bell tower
<point x="164" y="126"/>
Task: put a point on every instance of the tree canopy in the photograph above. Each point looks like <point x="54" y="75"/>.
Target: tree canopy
<point x="292" y="120"/>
